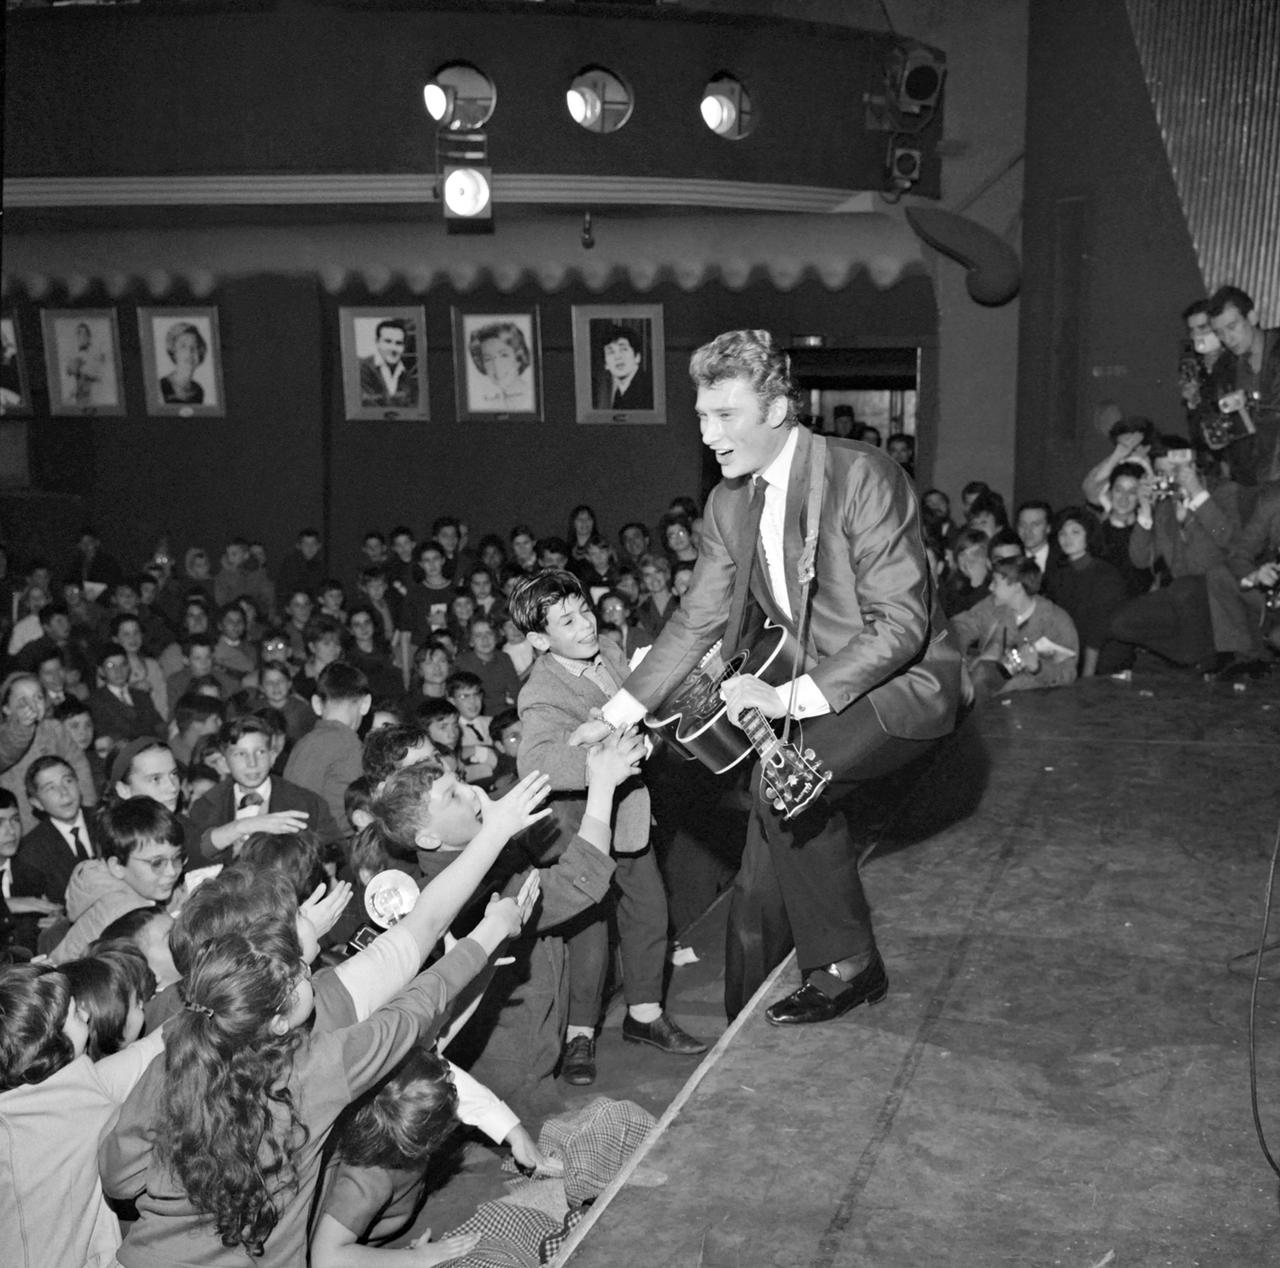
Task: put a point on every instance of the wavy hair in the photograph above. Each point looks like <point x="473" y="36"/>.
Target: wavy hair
<point x="751" y="355"/>
<point x="405" y="1120"/>
<point x="33" y="1002"/>
<point x="400" y="809"/>
<point x="227" y="1125"/>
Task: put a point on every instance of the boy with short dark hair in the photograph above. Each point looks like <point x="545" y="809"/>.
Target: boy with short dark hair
<point x="21" y="918"/>
<point x="574" y="674"/>
<point x="495" y="671"/>
<point x="250" y="799"/>
<point x="142" y="861"/>
<point x="328" y="757"/>
<point x="118" y="709"/>
<point x="194" y="716"/>
<point x="48" y="854"/>
<point x="466" y="693"/>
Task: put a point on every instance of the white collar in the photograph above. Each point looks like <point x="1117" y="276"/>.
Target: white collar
<point x="263" y="790"/>
<point x="778" y="472"/>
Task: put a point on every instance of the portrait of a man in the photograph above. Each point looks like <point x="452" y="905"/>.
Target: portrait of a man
<point x="384" y="366"/>
<point x="626" y="382"/>
<point x="385" y="378"/>
<point x="82" y="358"/>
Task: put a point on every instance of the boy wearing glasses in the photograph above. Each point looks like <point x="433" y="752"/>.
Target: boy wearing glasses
<point x="142" y="861"/>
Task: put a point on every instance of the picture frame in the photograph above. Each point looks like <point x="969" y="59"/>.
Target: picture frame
<point x="384" y="377"/>
<point x="509" y="344"/>
<point x="614" y="383"/>
<point x="82" y="362"/>
<point x="15" y="383"/>
<point x="182" y="362"/>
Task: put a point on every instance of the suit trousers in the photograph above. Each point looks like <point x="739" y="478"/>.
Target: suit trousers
<point x="1238" y="615"/>
<point x="1173" y="622"/>
<point x="642" y="937"/>
<point x="799" y="885"/>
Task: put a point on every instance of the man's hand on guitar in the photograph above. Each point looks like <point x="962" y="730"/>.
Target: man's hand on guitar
<point x="746" y="691"/>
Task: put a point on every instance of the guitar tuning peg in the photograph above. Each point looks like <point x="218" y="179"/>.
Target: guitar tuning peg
<point x="809" y="755"/>
<point x="779" y="804"/>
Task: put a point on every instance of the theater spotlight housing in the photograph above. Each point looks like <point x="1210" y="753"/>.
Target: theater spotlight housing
<point x="903" y="166"/>
<point x="467" y="196"/>
<point x="918" y="81"/>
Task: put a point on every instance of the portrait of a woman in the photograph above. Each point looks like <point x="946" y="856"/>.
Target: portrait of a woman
<point x="504" y="383"/>
<point x="187" y="351"/>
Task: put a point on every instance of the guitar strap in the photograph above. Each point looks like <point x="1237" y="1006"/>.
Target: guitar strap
<point x="813" y="513"/>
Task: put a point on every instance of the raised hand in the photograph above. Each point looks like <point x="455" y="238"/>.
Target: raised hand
<point x="615" y="760"/>
<point x="517" y="810"/>
<point x="324" y="910"/>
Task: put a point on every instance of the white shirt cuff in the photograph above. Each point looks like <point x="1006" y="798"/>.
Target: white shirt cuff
<point x="479" y="1107"/>
<point x="1195" y="503"/>
<point x="622" y="710"/>
<point x="809" y="702"/>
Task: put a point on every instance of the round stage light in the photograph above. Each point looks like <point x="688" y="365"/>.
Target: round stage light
<point x="466" y="192"/>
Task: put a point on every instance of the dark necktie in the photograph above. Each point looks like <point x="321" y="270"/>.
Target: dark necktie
<point x="82" y="850"/>
<point x="250" y="799"/>
<point x="742" y="578"/>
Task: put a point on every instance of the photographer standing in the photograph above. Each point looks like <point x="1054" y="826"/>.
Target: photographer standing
<point x="1184" y="528"/>
<point x="1246" y="383"/>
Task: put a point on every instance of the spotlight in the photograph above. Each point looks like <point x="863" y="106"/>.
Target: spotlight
<point x="726" y="107"/>
<point x="439" y="101"/>
<point x="584" y="106"/>
<point x="917" y="80"/>
<point x="719" y="113"/>
<point x="903" y="166"/>
<point x="467" y="194"/>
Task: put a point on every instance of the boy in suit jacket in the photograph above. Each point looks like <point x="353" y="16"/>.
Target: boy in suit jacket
<point x="574" y="674"/>
<point x="123" y="712"/>
<point x="250" y="799"/>
<point x="49" y="853"/>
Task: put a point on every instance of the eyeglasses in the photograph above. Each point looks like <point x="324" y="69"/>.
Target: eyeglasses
<point x="163" y="863"/>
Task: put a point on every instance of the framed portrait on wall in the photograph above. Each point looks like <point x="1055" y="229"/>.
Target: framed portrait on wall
<point x="15" y="391"/>
<point x="618" y="363"/>
<point x="384" y="362"/>
<point x="182" y="362"/>
<point x="497" y="361"/>
<point x="82" y="361"/>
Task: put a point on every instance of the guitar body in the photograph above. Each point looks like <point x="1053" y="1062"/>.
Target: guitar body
<point x="694" y="717"/>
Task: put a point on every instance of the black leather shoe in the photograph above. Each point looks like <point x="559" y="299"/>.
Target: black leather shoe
<point x="663" y="1034"/>
<point x="812" y="1004"/>
<point x="578" y="1064"/>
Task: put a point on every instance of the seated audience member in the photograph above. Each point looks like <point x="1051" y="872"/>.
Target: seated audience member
<point x="1184" y="528"/>
<point x="303" y="568"/>
<point x="987" y="514"/>
<point x="426" y="606"/>
<point x="676" y="532"/>
<point x="681" y="580"/>
<point x="111" y="989"/>
<point x="553" y="552"/>
<point x="27" y="629"/>
<point x="970" y="492"/>
<point x="63" y="837"/>
<point x="392" y="748"/>
<point x="969" y="582"/>
<point x="613" y="615"/>
<point x="482" y="586"/>
<point x="55" y="1101"/>
<point x="121" y="711"/>
<point x="505" y="731"/>
<point x="141" y="863"/>
<point x="24" y="710"/>
<point x="869" y="435"/>
<point x="298" y="612"/>
<point x="1085" y="586"/>
<point x="194" y="717"/>
<point x="51" y="670"/>
<point x="466" y="693"/>
<point x="451" y="533"/>
<point x="90" y="565"/>
<point x="484" y="659"/>
<point x="324" y="646"/>
<point x="1246" y="381"/>
<point x="516" y="648"/>
<point x="377" y="594"/>
<point x="633" y="540"/>
<point x="1006" y="544"/>
<point x="1032" y="524"/>
<point x="1014" y="640"/>
<point x="462" y="607"/>
<point x="1244" y="600"/>
<point x="444" y="729"/>
<point x="524" y="552"/>
<point x="400" y="560"/>
<point x="233" y="653"/>
<point x="327" y="758"/>
<point x="22" y="918"/>
<point x="197" y="779"/>
<point x="658" y="604"/>
<point x="935" y="508"/>
<point x="371" y="653"/>
<point x="250" y="799"/>
<point x="333" y="600"/>
<point x="1210" y="432"/>
<point x="195" y="622"/>
<point x="278" y="687"/>
<point x="582" y="527"/>
<point x="598" y="571"/>
<point x="55" y="636"/>
<point x="432" y="664"/>
<point x="146" y="930"/>
<point x="145" y="673"/>
<point x="156" y="633"/>
<point x="240" y="575"/>
<point x="197" y="663"/>
<point x="1131" y="446"/>
<point x="385" y="712"/>
<point x="147" y="768"/>
<point x="78" y="721"/>
<point x="902" y="449"/>
<point x="1120" y="514"/>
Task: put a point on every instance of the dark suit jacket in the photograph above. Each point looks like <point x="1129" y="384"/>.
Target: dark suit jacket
<point x="44" y="862"/>
<point x="639" y="393"/>
<point x="112" y="717"/>
<point x="373" y="388"/>
<point x="217" y="807"/>
<point x="877" y="629"/>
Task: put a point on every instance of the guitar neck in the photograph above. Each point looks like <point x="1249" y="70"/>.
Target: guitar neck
<point x="759" y="732"/>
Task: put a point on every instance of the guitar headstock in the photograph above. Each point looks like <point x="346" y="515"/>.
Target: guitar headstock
<point x="792" y="778"/>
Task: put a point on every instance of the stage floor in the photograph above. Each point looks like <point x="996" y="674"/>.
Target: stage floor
<point x="1060" y="1073"/>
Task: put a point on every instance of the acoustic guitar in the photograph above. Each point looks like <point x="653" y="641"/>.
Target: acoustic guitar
<point x="696" y="721"/>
